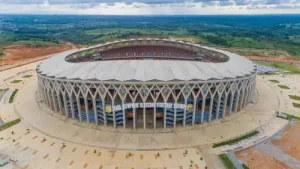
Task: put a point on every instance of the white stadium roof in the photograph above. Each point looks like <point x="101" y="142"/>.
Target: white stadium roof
<point x="147" y="70"/>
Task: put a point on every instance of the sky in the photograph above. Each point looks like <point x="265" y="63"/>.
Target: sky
<point x="150" y="7"/>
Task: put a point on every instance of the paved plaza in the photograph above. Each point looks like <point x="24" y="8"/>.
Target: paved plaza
<point x="54" y="141"/>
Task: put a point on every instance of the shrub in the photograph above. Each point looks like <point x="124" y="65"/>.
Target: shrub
<point x="297" y="105"/>
<point x="274" y="81"/>
<point x="294" y="97"/>
<point x="16" y="81"/>
<point x="235" y="140"/>
<point x="11" y="99"/>
<point x="9" y="124"/>
<point x="27" y="76"/>
<point x="283" y="87"/>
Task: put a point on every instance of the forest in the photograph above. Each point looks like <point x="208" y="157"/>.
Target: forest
<point x="276" y="32"/>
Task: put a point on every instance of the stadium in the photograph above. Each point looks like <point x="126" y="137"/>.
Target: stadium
<point x="147" y="83"/>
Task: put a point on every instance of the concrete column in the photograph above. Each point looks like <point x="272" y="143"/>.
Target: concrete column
<point x="66" y="104"/>
<point x="49" y="99"/>
<point x="72" y="106"/>
<point x="184" y="113"/>
<point x="175" y="114"/>
<point x="124" y="115"/>
<point x="79" y="108"/>
<point x="218" y="106"/>
<point x="194" y="111"/>
<point x="86" y="109"/>
<point x="59" y="103"/>
<point x="95" y="111"/>
<point x="210" y="107"/>
<point x="114" y="113"/>
<point x="134" y="118"/>
<point x="225" y="105"/>
<point x="242" y="99"/>
<point x="203" y="108"/>
<point x="249" y="95"/>
<point x="165" y="117"/>
<point x="103" y="111"/>
<point x="46" y="97"/>
<point x="245" y="98"/>
<point x="154" y="116"/>
<point x="231" y="102"/>
<point x="237" y="101"/>
<point x="144" y="116"/>
<point x="54" y="101"/>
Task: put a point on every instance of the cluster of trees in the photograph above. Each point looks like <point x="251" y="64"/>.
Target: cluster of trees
<point x="275" y="31"/>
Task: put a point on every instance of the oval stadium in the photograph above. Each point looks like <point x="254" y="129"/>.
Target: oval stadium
<point x="147" y="83"/>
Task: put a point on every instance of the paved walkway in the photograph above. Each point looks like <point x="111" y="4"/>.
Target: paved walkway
<point x="86" y="147"/>
<point x="293" y="82"/>
<point x="5" y="98"/>
<point x="69" y="130"/>
<point x="279" y="155"/>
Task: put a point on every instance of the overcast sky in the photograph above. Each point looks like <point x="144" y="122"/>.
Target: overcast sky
<point x="149" y="7"/>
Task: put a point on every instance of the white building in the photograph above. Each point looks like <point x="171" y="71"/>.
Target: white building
<point x="147" y="83"/>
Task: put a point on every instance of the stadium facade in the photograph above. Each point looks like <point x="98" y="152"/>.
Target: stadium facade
<point x="147" y="83"/>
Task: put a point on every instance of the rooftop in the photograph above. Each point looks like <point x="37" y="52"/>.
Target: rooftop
<point x="146" y="70"/>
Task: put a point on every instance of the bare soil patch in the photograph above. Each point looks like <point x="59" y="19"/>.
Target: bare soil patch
<point x="291" y="60"/>
<point x="19" y="53"/>
<point x="289" y="141"/>
<point x="258" y="160"/>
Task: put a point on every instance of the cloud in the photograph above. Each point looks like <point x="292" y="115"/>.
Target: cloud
<point x="149" y="7"/>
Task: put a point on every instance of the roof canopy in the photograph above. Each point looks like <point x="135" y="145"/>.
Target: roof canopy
<point x="146" y="70"/>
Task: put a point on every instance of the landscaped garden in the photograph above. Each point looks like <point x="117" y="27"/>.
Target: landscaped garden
<point x="283" y="87"/>
<point x="274" y="81"/>
<point x="235" y="140"/>
<point x="9" y="124"/>
<point x="12" y="97"/>
<point x="226" y="161"/>
<point x="27" y="76"/>
<point x="16" y="81"/>
<point x="294" y="97"/>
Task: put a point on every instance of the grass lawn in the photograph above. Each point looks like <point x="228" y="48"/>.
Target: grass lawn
<point x="226" y="161"/>
<point x="27" y="76"/>
<point x="294" y="97"/>
<point x="288" y="117"/>
<point x="274" y="81"/>
<point x="235" y="140"/>
<point x="282" y="66"/>
<point x="9" y="124"/>
<point x="297" y="105"/>
<point x="245" y="166"/>
<point x="16" y="81"/>
<point x="283" y="87"/>
<point x="12" y="97"/>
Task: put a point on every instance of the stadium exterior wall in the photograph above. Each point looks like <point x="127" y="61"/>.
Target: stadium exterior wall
<point x="178" y="102"/>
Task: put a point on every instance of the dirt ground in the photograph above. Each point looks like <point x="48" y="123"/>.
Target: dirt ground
<point x="258" y="160"/>
<point x="290" y="141"/>
<point x="275" y="59"/>
<point x="18" y="53"/>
